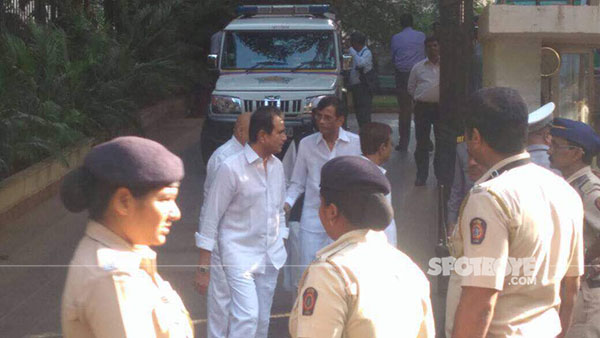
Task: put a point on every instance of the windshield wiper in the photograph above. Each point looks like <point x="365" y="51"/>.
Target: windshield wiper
<point x="265" y="63"/>
<point x="311" y="63"/>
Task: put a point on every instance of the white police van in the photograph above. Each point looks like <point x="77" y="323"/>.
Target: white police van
<point x="276" y="55"/>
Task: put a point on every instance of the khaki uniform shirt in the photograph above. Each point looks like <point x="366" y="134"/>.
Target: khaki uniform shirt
<point x="113" y="290"/>
<point x="523" y="215"/>
<point x="360" y="286"/>
<point x="587" y="184"/>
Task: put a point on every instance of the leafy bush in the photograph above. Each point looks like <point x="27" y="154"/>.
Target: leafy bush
<point x="60" y="84"/>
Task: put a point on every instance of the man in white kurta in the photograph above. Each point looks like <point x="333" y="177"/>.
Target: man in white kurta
<point x="218" y="296"/>
<point x="313" y="152"/>
<point x="244" y="218"/>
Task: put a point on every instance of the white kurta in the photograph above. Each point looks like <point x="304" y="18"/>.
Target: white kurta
<point x="313" y="153"/>
<point x="244" y="217"/>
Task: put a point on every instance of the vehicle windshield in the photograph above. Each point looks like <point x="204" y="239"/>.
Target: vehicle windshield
<point x="279" y="50"/>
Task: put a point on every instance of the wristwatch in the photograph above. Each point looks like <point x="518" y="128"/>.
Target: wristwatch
<point x="203" y="269"/>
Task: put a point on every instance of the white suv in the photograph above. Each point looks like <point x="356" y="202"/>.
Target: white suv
<point x="280" y="56"/>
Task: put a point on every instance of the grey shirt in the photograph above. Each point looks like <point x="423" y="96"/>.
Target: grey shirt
<point x="539" y="155"/>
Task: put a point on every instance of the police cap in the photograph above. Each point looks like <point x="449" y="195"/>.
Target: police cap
<point x="353" y="173"/>
<point x="358" y="188"/>
<point x="541" y="117"/>
<point x="128" y="161"/>
<point x="576" y="132"/>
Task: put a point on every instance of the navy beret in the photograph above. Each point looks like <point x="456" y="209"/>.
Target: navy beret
<point x="353" y="173"/>
<point x="134" y="162"/>
<point x="576" y="132"/>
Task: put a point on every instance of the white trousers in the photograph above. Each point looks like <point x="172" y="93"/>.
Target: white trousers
<point x="310" y="243"/>
<point x="586" y="314"/>
<point x="452" y="300"/>
<point x="251" y="300"/>
<point x="291" y="272"/>
<point x="218" y="298"/>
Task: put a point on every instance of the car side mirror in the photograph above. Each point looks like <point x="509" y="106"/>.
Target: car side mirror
<point x="212" y="60"/>
<point x="347" y="62"/>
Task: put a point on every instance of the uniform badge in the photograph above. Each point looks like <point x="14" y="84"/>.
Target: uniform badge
<point x="309" y="300"/>
<point x="478" y="228"/>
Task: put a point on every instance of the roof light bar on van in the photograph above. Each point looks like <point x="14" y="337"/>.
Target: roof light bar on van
<point x="283" y="9"/>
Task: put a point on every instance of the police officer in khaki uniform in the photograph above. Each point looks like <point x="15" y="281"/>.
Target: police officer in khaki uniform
<point x="572" y="148"/>
<point x="519" y="233"/>
<point x="359" y="286"/>
<point x="129" y="186"/>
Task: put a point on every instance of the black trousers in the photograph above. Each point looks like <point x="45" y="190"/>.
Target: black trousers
<point x="427" y="115"/>
<point x="363" y="102"/>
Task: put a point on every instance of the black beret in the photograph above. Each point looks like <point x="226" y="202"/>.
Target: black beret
<point x="353" y="173"/>
<point x="577" y="132"/>
<point x="134" y="162"/>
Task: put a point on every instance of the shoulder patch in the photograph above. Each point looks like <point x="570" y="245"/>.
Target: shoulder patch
<point x="478" y="228"/>
<point x="478" y="189"/>
<point x="309" y="300"/>
<point x="460" y="139"/>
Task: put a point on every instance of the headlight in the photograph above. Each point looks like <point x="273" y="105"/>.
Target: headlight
<point x="225" y="105"/>
<point x="311" y="103"/>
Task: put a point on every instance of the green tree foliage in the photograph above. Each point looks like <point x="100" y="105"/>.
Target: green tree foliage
<point x="380" y="19"/>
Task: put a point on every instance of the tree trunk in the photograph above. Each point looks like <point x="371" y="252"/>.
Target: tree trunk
<point x="456" y="57"/>
<point x="39" y="11"/>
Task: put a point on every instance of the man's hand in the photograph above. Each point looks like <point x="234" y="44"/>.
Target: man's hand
<point x="202" y="272"/>
<point x="287" y="208"/>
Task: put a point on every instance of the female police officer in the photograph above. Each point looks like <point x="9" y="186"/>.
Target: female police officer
<point x="359" y="286"/>
<point x="129" y="186"/>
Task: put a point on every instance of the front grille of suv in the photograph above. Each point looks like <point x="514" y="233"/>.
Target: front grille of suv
<point x="287" y="106"/>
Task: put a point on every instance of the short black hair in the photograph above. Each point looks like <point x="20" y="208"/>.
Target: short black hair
<point x="431" y="38"/>
<point x="358" y="37"/>
<point x="262" y="119"/>
<point x="373" y="135"/>
<point x="364" y="210"/>
<point x="334" y="102"/>
<point x="500" y="115"/>
<point x="406" y="20"/>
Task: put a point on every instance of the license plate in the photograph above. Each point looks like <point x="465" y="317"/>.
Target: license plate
<point x="289" y="131"/>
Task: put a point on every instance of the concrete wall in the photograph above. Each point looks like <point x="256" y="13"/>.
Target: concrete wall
<point x="572" y="24"/>
<point x="512" y="37"/>
<point x="24" y="185"/>
<point x="33" y="185"/>
<point x="512" y="62"/>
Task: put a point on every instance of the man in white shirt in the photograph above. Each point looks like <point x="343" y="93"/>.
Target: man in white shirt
<point x="313" y="152"/>
<point x="376" y="146"/>
<point x="244" y="217"/>
<point x="218" y="296"/>
<point x="362" y="60"/>
<point x="424" y="88"/>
